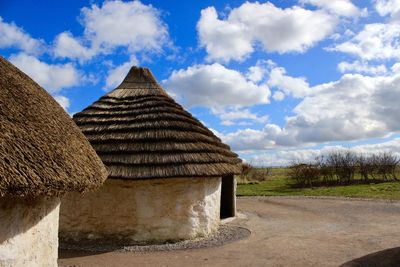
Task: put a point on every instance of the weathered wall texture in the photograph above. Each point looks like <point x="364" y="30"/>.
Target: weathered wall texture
<point x="153" y="210"/>
<point x="28" y="231"/>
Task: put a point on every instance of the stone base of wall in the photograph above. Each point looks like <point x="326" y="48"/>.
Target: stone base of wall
<point x="147" y="211"/>
<point x="29" y="231"/>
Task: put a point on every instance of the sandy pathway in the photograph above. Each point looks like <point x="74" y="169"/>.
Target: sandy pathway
<point x="285" y="232"/>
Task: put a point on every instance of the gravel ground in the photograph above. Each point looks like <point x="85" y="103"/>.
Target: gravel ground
<point x="284" y="232"/>
<point x="226" y="234"/>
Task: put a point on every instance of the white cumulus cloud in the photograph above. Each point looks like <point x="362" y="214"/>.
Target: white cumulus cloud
<point x="67" y="46"/>
<point x="279" y="30"/>
<point x="361" y="67"/>
<point x="216" y="87"/>
<point x="133" y="25"/>
<point x="278" y="96"/>
<point x="256" y="73"/>
<point x="376" y="41"/>
<point x="130" y="24"/>
<point x="13" y="36"/>
<point x="241" y="117"/>
<point x="52" y="77"/>
<point x="388" y="7"/>
<point x="294" y="86"/>
<point x="339" y="7"/>
<point x="353" y="108"/>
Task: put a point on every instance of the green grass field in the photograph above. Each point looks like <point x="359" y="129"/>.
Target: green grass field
<point x="276" y="183"/>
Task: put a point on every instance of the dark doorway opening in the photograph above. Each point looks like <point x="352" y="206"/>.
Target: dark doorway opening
<point x="228" y="197"/>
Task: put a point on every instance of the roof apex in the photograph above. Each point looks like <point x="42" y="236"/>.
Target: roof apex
<point x="139" y="75"/>
<point x="138" y="82"/>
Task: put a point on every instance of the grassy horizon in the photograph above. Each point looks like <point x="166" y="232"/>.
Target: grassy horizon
<point x="278" y="184"/>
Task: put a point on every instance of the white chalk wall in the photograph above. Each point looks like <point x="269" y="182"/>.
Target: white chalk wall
<point x="153" y="210"/>
<point x="28" y="231"/>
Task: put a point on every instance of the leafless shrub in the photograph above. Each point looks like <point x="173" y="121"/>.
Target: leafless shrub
<point x="366" y="167"/>
<point x="304" y="174"/>
<point x="260" y="175"/>
<point x="386" y="164"/>
<point x="343" y="164"/>
<point x="326" y="171"/>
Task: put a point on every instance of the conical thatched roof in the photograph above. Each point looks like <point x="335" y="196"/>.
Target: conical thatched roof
<point x="42" y="151"/>
<point x="140" y="132"/>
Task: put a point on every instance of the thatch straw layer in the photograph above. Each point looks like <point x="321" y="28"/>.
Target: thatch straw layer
<point x="42" y="151"/>
<point x="140" y="132"/>
<point x="162" y="147"/>
<point x="172" y="170"/>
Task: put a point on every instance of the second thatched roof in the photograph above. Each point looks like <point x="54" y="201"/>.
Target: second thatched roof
<point x="140" y="132"/>
<point x="42" y="151"/>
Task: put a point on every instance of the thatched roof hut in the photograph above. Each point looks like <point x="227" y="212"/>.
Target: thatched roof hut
<point x="149" y="142"/>
<point x="43" y="155"/>
<point x="140" y="132"/>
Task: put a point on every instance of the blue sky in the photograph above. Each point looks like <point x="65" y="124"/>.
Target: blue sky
<point x="277" y="80"/>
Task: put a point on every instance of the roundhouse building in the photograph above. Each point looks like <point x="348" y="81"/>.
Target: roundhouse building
<point x="170" y="178"/>
<point x="42" y="155"/>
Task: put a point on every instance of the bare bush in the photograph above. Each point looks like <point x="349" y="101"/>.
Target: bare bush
<point x="343" y="164"/>
<point x="386" y="164"/>
<point x="326" y="171"/>
<point x="260" y="175"/>
<point x="366" y="167"/>
<point x="304" y="174"/>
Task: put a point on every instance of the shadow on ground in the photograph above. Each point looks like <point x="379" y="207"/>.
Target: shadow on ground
<point x="226" y="234"/>
<point x="385" y="258"/>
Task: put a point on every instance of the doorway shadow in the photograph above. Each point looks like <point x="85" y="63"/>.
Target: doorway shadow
<point x="228" y="197"/>
<point x="384" y="258"/>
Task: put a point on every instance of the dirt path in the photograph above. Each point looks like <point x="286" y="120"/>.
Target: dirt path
<point x="285" y="232"/>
